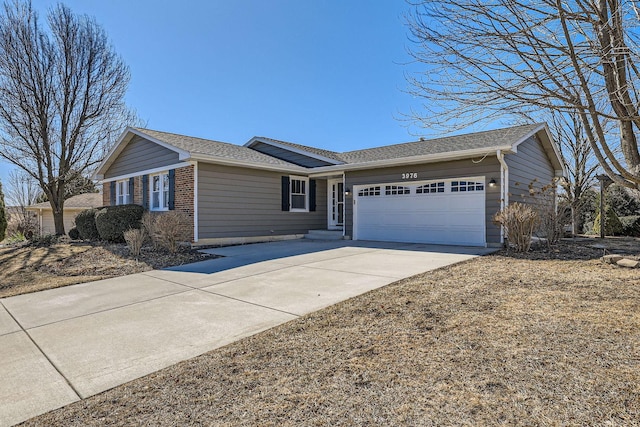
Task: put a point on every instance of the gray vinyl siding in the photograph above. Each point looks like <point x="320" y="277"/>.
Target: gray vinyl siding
<point x="528" y="164"/>
<point x="241" y="202"/>
<point x="139" y="155"/>
<point x="488" y="167"/>
<point x="289" y="156"/>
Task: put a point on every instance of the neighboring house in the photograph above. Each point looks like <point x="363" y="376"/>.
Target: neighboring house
<point x="72" y="207"/>
<point x="442" y="191"/>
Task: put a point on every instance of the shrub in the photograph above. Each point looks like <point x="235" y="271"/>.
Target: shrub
<point x="613" y="226"/>
<point x="44" y="240"/>
<point x="74" y="234"/>
<point x="169" y="229"/>
<point x="149" y="226"/>
<point x="86" y="224"/>
<point x="630" y="225"/>
<point x="519" y="222"/>
<point x="134" y="238"/>
<point x="113" y="221"/>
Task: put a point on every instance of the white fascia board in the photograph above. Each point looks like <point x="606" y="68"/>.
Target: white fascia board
<point x="292" y="149"/>
<point x="251" y="165"/>
<point x="547" y="143"/>
<point x="113" y="152"/>
<point x="147" y="172"/>
<point x="428" y="158"/>
<point x="122" y="143"/>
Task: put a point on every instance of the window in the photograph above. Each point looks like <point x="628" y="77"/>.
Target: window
<point x="434" y="187"/>
<point x="159" y="192"/>
<point x="393" y="190"/>
<point x="298" y="194"/>
<point x="122" y="192"/>
<point x="462" y="186"/>
<point x="371" y="191"/>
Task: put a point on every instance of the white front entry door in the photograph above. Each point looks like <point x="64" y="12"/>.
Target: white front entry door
<point x="335" y="192"/>
<point x="448" y="211"/>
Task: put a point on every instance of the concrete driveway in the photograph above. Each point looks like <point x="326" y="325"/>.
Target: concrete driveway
<point x="63" y="345"/>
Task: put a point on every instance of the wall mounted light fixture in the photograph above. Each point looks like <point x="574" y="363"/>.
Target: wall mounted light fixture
<point x="492" y="183"/>
<point x="347" y="192"/>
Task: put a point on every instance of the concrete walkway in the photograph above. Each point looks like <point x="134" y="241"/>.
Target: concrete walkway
<point x="63" y="345"/>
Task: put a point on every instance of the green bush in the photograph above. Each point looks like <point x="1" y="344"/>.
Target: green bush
<point x="74" y="233"/>
<point x="613" y="226"/>
<point x="113" y="221"/>
<point x="630" y="225"/>
<point x="86" y="224"/>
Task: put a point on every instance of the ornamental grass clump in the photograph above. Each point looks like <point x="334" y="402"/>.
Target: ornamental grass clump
<point x="134" y="238"/>
<point x="519" y="222"/>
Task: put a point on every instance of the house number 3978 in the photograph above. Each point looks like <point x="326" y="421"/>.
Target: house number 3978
<point x="410" y="175"/>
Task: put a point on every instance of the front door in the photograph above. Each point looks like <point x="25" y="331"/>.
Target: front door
<point x="335" y="192"/>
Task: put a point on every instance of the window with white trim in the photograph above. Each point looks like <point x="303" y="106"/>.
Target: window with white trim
<point x="370" y="191"/>
<point x="122" y="192"/>
<point x="159" y="192"/>
<point x="462" y="186"/>
<point x="299" y="194"/>
<point x="434" y="187"/>
<point x="394" y="190"/>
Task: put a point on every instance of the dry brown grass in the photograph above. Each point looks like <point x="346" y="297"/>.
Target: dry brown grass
<point x="25" y="269"/>
<point x="494" y="341"/>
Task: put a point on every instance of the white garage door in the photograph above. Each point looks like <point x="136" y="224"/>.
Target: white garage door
<point x="444" y="212"/>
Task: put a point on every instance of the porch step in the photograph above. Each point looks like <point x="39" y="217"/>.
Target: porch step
<point x="324" y="235"/>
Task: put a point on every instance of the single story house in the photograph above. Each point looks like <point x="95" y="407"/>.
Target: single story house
<point x="442" y="191"/>
<point x="72" y="207"/>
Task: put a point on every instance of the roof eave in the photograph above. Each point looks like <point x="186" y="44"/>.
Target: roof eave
<point x="427" y="158"/>
<point x="549" y="145"/>
<point x="242" y="163"/>
<point x="119" y="146"/>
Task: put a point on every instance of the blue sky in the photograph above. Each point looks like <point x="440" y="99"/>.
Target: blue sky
<point x="326" y="73"/>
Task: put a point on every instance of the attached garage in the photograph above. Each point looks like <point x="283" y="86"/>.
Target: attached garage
<point x="445" y="211"/>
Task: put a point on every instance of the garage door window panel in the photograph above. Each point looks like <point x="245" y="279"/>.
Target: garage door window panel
<point x="434" y="187"/>
<point x="395" y="190"/>
<point x="462" y="186"/>
<point x="370" y="191"/>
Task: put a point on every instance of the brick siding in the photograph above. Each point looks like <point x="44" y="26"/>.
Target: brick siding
<point x="184" y="187"/>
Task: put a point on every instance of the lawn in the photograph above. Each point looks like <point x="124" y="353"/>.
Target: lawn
<point x="549" y="338"/>
<point x="26" y="269"/>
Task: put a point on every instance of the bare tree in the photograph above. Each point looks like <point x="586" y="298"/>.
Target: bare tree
<point x="490" y="59"/>
<point x="22" y="191"/>
<point x="579" y="163"/>
<point x="61" y="97"/>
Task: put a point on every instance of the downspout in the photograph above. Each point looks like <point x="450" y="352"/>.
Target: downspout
<point x="195" y="202"/>
<point x="344" y="206"/>
<point x="504" y="187"/>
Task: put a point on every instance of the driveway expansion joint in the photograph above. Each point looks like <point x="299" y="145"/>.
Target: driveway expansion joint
<point x="26" y="332"/>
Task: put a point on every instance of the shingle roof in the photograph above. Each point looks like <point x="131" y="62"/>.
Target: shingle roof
<point x="452" y="144"/>
<point x="209" y="147"/>
<point x="81" y="201"/>
<point x="479" y="140"/>
<point x="318" y="151"/>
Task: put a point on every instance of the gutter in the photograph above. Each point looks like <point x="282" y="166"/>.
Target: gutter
<point x="504" y="187"/>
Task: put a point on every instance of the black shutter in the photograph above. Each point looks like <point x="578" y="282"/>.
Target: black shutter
<point x="172" y="189"/>
<point x="285" y="193"/>
<point x="112" y="193"/>
<point x="131" y="190"/>
<point x="145" y="191"/>
<point x="312" y="195"/>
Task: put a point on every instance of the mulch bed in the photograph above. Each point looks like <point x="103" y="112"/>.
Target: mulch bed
<point x="546" y="338"/>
